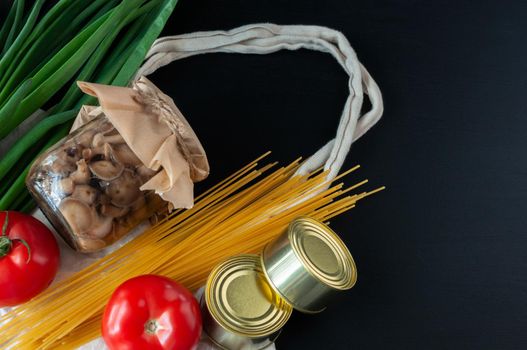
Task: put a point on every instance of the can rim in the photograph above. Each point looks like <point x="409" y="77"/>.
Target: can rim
<point x="339" y="248"/>
<point x="269" y="331"/>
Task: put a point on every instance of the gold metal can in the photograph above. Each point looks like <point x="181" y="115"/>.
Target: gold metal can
<point x="240" y="309"/>
<point x="308" y="264"/>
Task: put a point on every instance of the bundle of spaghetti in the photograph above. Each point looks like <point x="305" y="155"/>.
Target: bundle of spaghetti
<point x="238" y="215"/>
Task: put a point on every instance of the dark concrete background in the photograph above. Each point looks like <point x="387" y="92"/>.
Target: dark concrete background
<point x="442" y="254"/>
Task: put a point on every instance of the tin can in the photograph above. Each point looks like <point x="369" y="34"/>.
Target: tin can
<point x="240" y="309"/>
<point x="308" y="264"/>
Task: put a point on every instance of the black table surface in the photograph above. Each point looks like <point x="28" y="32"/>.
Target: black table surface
<point x="442" y="253"/>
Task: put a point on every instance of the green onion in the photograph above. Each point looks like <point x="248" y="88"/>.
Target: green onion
<point x="108" y="6"/>
<point x="56" y="11"/>
<point x="115" y="62"/>
<point x="74" y="93"/>
<point x="25" y="143"/>
<point x="62" y="67"/>
<point x="16" y="23"/>
<point x="9" y="53"/>
<point x="10" y="107"/>
<point x="28" y="205"/>
<point x="105" y="42"/>
<point x="8" y="24"/>
<point x="49" y="38"/>
<point x="151" y="32"/>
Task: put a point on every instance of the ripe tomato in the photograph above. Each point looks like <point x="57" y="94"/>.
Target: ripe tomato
<point x="152" y="313"/>
<point x="29" y="258"/>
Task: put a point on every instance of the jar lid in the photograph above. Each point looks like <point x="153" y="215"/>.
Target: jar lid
<point x="157" y="133"/>
<point x="188" y="141"/>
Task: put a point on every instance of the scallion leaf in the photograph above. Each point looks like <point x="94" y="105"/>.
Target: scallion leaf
<point x="16" y="23"/>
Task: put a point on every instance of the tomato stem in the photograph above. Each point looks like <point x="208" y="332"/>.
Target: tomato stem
<point x="6" y="243"/>
<point x="5" y="246"/>
<point x="27" y="247"/>
<point x="151" y="327"/>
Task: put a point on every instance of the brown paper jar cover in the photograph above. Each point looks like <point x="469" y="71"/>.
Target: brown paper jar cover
<point x="133" y="156"/>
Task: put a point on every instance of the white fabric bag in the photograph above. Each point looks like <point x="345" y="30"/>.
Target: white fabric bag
<point x="262" y="38"/>
<point x="267" y="38"/>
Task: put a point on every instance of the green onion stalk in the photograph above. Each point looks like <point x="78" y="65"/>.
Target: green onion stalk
<point x="44" y="54"/>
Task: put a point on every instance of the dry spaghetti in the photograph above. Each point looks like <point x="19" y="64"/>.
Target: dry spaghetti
<point x="239" y="215"/>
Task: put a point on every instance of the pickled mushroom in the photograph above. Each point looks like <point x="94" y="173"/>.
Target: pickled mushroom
<point x="66" y="186"/>
<point x="82" y="174"/>
<point x="99" y="139"/>
<point x="62" y="167"/>
<point x="103" y="152"/>
<point x="90" y="244"/>
<point x="77" y="214"/>
<point x="94" y="180"/>
<point x="106" y="170"/>
<point x="113" y="211"/>
<point x="125" y="155"/>
<point x="104" y="199"/>
<point x="69" y="153"/>
<point x="124" y="190"/>
<point x="85" y="193"/>
<point x="102" y="227"/>
<point x="139" y="203"/>
<point x="85" y="138"/>
<point x="87" y="153"/>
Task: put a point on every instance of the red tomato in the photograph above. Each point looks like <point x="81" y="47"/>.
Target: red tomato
<point x="29" y="258"/>
<point x="152" y="313"/>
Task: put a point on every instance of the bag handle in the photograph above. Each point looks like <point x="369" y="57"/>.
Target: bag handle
<point x="266" y="38"/>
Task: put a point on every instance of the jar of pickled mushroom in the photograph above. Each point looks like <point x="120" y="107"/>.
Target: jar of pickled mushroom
<point x="127" y="160"/>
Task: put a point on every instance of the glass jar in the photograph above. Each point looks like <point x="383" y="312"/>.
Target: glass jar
<point x="88" y="184"/>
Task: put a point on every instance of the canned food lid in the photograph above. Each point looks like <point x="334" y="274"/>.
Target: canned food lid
<point x="241" y="300"/>
<point x="323" y="253"/>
